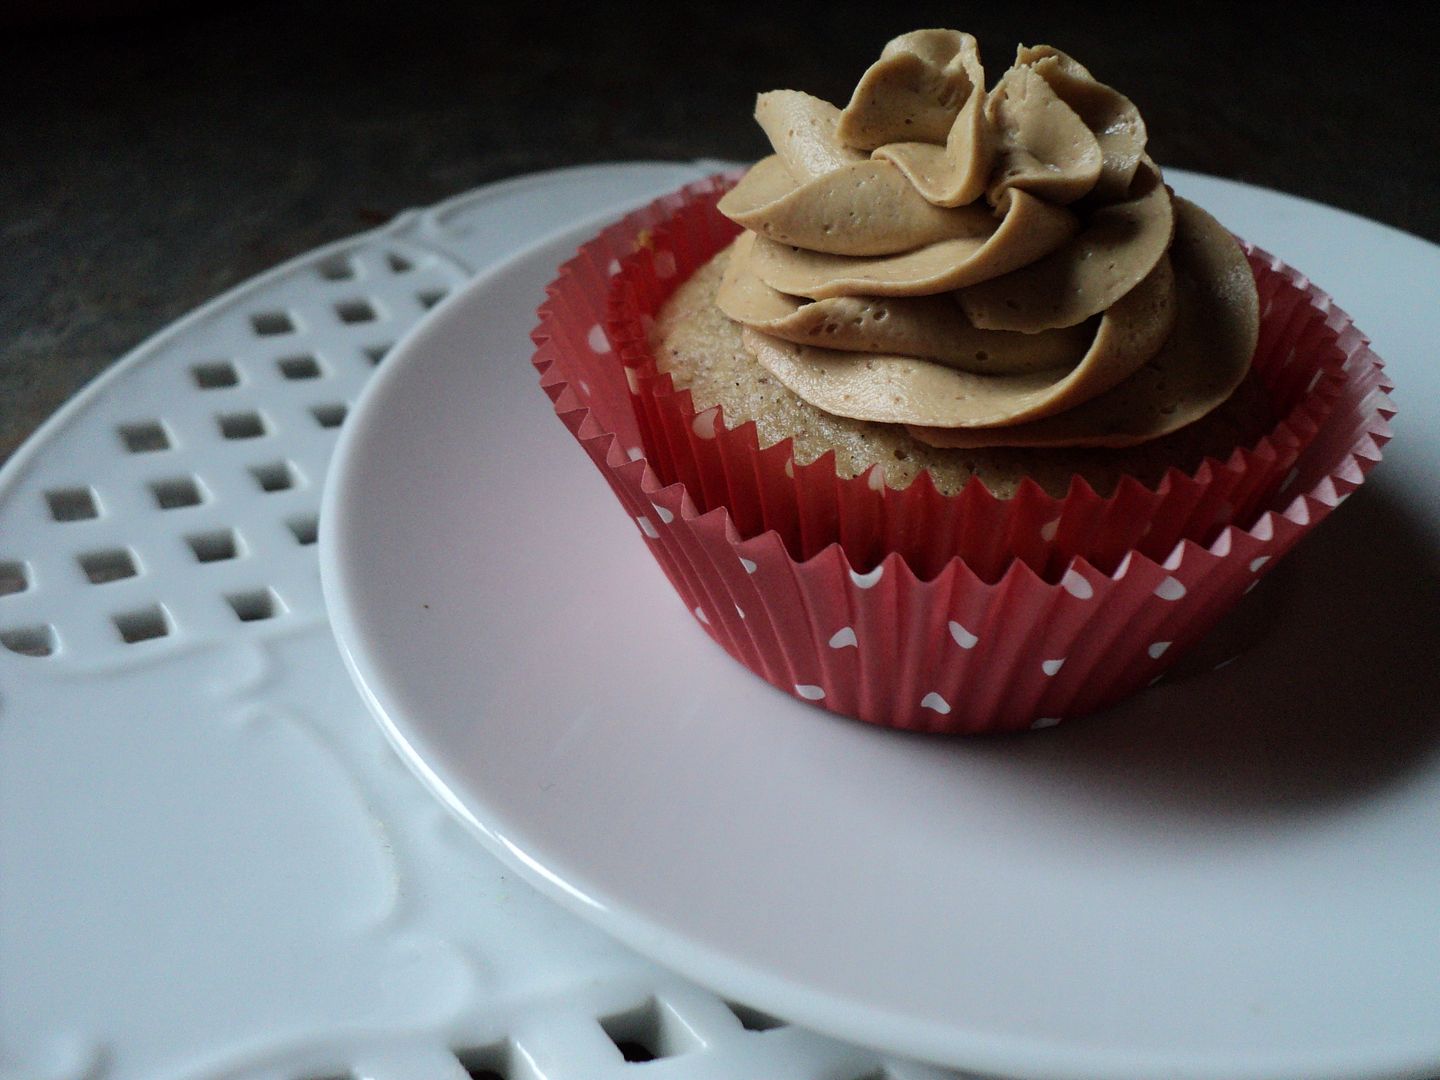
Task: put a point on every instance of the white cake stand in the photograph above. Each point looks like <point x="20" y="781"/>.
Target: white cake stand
<point x="211" y="862"/>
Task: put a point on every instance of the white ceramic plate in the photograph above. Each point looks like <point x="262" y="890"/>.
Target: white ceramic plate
<point x="1236" y="874"/>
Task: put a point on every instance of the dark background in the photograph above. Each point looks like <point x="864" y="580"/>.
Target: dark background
<point x="153" y="155"/>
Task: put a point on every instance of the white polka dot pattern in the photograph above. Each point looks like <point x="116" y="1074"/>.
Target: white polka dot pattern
<point x="869" y="579"/>
<point x="1077" y="585"/>
<point x="935" y="703"/>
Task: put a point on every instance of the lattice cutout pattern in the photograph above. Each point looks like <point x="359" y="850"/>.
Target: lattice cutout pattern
<point x="204" y="513"/>
<point x="197" y="525"/>
<point x="656" y="1029"/>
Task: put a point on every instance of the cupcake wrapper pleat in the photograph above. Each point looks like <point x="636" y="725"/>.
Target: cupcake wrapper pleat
<point x="962" y="613"/>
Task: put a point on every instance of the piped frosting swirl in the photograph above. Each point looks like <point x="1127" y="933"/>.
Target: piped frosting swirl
<point x="1001" y="267"/>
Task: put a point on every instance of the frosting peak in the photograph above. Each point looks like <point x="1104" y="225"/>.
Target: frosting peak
<point x="980" y="265"/>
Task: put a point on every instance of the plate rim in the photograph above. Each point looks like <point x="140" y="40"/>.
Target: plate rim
<point x="838" y="1016"/>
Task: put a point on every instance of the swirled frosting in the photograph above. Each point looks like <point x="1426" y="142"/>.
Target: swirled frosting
<point x="1000" y="267"/>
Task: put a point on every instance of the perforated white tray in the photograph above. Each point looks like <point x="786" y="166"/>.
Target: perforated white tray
<point x="211" y="862"/>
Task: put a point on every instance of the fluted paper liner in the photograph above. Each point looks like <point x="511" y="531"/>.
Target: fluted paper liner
<point x="962" y="613"/>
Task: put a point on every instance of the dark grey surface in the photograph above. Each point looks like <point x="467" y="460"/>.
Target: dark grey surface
<point x="148" y="163"/>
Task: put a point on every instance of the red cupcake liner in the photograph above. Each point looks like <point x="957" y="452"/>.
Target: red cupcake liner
<point x="1080" y="600"/>
<point x="811" y="507"/>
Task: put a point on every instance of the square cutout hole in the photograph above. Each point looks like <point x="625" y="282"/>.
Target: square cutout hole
<point x="14" y="577"/>
<point x="648" y="1032"/>
<point x="430" y="297"/>
<point x="72" y="504"/>
<point x="337" y="268"/>
<point x="484" y="1062"/>
<point x="256" y="605"/>
<point x="242" y="425"/>
<point x="296" y="368"/>
<point x="145" y="438"/>
<point x="356" y="311"/>
<point x="177" y="493"/>
<point x="398" y="263"/>
<point x="753" y="1019"/>
<point x="29" y="640"/>
<point x="271" y="323"/>
<point x="330" y="415"/>
<point x="306" y="530"/>
<point x="376" y="353"/>
<point x="217" y="545"/>
<point x="275" y="476"/>
<point x="143" y="624"/>
<point x="215" y="376"/>
<point x="102" y="567"/>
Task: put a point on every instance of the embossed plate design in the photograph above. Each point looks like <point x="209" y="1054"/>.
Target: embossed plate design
<point x="212" y="864"/>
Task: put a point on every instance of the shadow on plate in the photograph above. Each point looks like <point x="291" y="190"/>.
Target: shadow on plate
<point x="1332" y="691"/>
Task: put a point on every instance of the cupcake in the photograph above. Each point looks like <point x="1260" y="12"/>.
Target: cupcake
<point x="948" y="415"/>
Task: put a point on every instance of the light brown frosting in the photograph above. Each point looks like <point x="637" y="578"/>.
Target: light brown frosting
<point x="1001" y="267"/>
